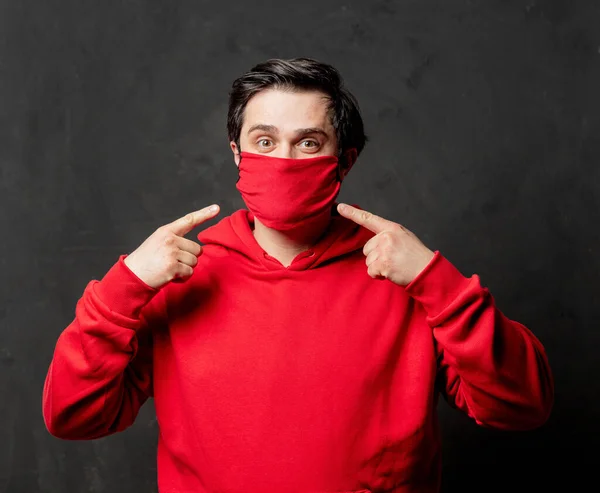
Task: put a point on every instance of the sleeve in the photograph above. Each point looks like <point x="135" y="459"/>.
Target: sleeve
<point x="101" y="370"/>
<point x="490" y="367"/>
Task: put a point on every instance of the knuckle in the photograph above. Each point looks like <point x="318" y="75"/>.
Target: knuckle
<point x="194" y="248"/>
<point x="169" y="240"/>
<point x="172" y="264"/>
<point x="366" y="215"/>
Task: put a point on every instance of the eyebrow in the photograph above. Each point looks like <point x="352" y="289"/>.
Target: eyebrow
<point x="298" y="131"/>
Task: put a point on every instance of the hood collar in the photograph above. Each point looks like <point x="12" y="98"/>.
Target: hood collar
<point x="234" y="232"/>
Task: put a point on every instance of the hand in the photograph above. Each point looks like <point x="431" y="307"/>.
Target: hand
<point x="166" y="255"/>
<point x="394" y="253"/>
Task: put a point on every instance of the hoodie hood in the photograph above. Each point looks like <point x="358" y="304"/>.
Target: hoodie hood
<point x="234" y="233"/>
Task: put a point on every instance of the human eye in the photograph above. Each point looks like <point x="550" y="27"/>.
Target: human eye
<point x="264" y="143"/>
<point x="313" y="144"/>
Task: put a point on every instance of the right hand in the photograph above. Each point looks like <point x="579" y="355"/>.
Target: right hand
<point x="166" y="255"/>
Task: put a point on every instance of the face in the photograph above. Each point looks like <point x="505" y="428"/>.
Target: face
<point x="288" y="125"/>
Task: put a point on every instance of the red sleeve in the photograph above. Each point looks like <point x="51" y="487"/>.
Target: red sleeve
<point x="490" y="367"/>
<point x="101" y="371"/>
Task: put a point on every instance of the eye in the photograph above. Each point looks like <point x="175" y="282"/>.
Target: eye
<point x="312" y="142"/>
<point x="263" y="143"/>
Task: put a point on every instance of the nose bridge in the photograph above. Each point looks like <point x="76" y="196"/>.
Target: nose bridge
<point x="288" y="151"/>
<point x="286" y="147"/>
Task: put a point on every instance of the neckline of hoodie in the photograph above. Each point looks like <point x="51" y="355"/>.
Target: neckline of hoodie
<point x="303" y="260"/>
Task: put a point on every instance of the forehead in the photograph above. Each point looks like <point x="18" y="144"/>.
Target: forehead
<point x="288" y="110"/>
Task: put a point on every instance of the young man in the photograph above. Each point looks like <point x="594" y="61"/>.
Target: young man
<point x="303" y="347"/>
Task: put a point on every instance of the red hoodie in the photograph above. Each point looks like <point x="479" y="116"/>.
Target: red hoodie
<point x="310" y="378"/>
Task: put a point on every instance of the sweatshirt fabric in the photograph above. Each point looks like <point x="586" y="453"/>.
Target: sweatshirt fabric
<point x="315" y="378"/>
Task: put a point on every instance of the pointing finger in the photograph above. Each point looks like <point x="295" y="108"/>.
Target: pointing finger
<point x="185" y="224"/>
<point x="367" y="219"/>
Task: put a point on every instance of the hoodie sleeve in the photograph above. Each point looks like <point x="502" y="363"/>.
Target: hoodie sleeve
<point x="490" y="367"/>
<point x="101" y="371"/>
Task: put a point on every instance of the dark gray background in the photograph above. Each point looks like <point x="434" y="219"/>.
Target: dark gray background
<point x="484" y="123"/>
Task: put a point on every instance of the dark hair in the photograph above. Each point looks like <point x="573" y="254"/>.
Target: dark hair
<point x="300" y="74"/>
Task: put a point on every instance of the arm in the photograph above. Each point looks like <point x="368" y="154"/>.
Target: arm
<point x="490" y="367"/>
<point x="101" y="371"/>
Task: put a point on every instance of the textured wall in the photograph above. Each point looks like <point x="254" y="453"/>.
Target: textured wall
<point x="483" y="118"/>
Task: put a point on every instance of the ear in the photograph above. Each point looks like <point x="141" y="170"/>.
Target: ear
<point x="350" y="157"/>
<point x="236" y="152"/>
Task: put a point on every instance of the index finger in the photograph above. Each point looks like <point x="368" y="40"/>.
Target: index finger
<point x="185" y="224"/>
<point x="372" y="222"/>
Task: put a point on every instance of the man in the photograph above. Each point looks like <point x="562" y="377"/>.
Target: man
<point x="303" y="347"/>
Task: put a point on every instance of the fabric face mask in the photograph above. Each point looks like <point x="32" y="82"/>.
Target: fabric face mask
<point x="284" y="193"/>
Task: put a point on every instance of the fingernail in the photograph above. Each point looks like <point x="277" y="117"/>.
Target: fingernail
<point x="213" y="208"/>
<point x="342" y="207"/>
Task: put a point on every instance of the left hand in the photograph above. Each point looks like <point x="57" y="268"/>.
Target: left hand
<point x="394" y="253"/>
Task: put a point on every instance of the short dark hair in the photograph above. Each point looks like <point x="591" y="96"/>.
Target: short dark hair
<point x="300" y="74"/>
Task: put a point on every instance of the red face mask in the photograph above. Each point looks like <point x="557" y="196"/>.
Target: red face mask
<point x="284" y="193"/>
